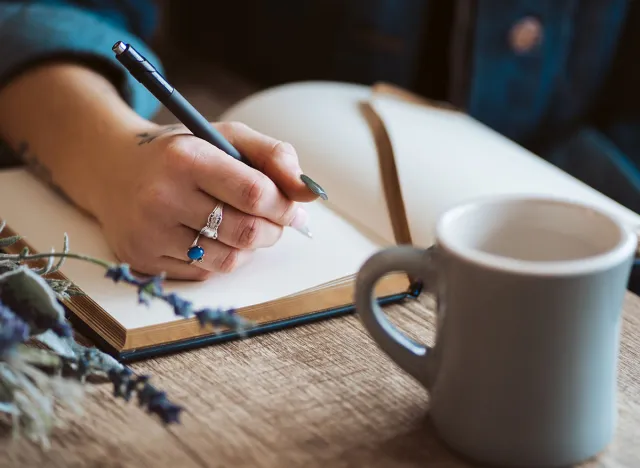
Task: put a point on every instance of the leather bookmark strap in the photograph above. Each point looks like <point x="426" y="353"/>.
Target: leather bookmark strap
<point x="389" y="173"/>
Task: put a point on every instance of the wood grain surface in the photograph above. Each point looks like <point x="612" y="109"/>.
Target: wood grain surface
<point x="322" y="395"/>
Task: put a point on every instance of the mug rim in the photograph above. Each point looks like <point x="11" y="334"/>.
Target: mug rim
<point x="625" y="247"/>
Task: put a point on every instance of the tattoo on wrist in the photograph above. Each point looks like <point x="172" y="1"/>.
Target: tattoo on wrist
<point x="148" y="137"/>
<point x="37" y="168"/>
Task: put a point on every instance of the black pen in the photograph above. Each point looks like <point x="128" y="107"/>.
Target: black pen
<point x="150" y="78"/>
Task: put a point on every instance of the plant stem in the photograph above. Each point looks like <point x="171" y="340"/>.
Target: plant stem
<point x="95" y="261"/>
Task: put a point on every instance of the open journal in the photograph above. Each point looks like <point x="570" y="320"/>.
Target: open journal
<point x="390" y="164"/>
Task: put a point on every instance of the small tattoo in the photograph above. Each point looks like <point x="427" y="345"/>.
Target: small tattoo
<point x="148" y="137"/>
<point x="38" y="169"/>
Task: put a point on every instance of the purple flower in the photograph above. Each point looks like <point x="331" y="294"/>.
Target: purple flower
<point x="151" y="287"/>
<point x="181" y="306"/>
<point x="157" y="403"/>
<point x="217" y="317"/>
<point x="13" y="330"/>
<point x="167" y="411"/>
<point x="120" y="380"/>
<point x="62" y="329"/>
<point x="170" y="413"/>
<point x="125" y="384"/>
<point x="147" y="288"/>
<point x="120" y="273"/>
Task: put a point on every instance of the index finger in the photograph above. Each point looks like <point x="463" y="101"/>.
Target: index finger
<point x="239" y="185"/>
<point x="276" y="159"/>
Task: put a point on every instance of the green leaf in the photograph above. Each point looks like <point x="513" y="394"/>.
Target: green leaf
<point x="7" y="241"/>
<point x="75" y="292"/>
<point x="63" y="288"/>
<point x="31" y="298"/>
<point x="41" y="358"/>
<point x="95" y="361"/>
<point x="61" y="346"/>
<point x="8" y="408"/>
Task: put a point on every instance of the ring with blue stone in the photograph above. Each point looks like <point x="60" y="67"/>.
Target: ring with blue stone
<point x="195" y="252"/>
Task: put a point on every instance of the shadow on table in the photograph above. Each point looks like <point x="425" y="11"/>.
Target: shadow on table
<point x="419" y="447"/>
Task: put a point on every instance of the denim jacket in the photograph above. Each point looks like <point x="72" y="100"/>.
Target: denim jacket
<point x="33" y="31"/>
<point x="560" y="77"/>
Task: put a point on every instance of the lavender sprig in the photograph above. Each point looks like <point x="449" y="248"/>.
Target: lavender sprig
<point x="13" y="330"/>
<point x="152" y="287"/>
<point x="125" y="384"/>
<point x="47" y="325"/>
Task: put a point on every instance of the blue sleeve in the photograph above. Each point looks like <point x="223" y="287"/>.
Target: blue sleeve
<point x="604" y="149"/>
<point x="33" y="32"/>
<point x="592" y="155"/>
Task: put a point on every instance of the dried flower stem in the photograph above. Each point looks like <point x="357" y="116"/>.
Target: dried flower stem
<point x="150" y="287"/>
<point x="39" y="256"/>
<point x="84" y="361"/>
<point x="25" y="392"/>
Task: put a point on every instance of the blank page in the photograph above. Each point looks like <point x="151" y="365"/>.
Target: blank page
<point x="295" y="263"/>
<point x="334" y="142"/>
<point x="445" y="157"/>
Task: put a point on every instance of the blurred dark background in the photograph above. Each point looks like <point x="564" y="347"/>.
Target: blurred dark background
<point x="275" y="41"/>
<point x="218" y="52"/>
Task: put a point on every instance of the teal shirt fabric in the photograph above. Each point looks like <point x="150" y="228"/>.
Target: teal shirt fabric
<point x="33" y="32"/>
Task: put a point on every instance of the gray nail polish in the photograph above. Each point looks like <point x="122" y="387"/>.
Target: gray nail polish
<point x="314" y="187"/>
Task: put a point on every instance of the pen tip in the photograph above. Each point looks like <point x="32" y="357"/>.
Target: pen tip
<point x="304" y="230"/>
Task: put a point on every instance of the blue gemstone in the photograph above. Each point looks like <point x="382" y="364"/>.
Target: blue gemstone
<point x="196" y="252"/>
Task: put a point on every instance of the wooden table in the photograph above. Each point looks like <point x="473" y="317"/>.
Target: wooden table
<point x="321" y="395"/>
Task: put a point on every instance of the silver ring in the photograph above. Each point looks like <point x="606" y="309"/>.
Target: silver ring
<point x="210" y="230"/>
<point x="213" y="222"/>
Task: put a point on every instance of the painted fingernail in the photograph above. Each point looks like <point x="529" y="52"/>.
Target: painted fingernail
<point x="314" y="187"/>
<point x="300" y="222"/>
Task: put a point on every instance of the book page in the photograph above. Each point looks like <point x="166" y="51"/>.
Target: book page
<point x="444" y="157"/>
<point x="294" y="264"/>
<point x="334" y="142"/>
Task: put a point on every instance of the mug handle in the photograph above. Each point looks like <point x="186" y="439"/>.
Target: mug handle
<point x="414" y="358"/>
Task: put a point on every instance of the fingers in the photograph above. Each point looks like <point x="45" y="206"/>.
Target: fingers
<point x="237" y="229"/>
<point x="218" y="257"/>
<point x="167" y="254"/>
<point x="276" y="159"/>
<point x="236" y="184"/>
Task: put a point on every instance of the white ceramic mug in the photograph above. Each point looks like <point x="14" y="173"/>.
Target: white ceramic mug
<point x="530" y="294"/>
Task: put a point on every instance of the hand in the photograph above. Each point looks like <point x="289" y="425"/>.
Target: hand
<point x="166" y="182"/>
<point x="151" y="189"/>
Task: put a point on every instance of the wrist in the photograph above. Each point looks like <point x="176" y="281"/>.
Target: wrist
<point x="111" y="167"/>
<point x="74" y="126"/>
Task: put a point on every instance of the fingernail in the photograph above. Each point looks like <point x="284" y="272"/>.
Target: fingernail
<point x="314" y="187"/>
<point x="300" y="222"/>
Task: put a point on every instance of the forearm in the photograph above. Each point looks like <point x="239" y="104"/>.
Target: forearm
<point x="69" y="124"/>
